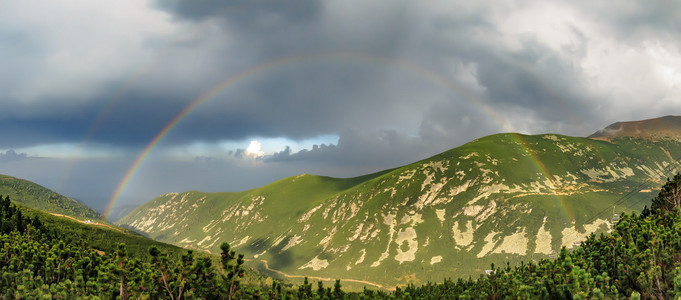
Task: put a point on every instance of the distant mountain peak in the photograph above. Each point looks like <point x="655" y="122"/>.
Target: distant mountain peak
<point x="667" y="127"/>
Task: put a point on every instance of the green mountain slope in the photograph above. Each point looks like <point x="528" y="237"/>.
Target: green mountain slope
<point x="45" y="256"/>
<point x="500" y="198"/>
<point x="98" y="236"/>
<point x="35" y="196"/>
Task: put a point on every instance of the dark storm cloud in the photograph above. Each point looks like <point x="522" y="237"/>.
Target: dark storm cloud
<point x="640" y="20"/>
<point x="311" y="98"/>
<point x="327" y="95"/>
<point x="320" y="97"/>
<point x="395" y="80"/>
<point x="270" y="28"/>
<point x="308" y="100"/>
<point x="130" y="122"/>
<point x="384" y="149"/>
<point x="536" y="78"/>
<point x="243" y="13"/>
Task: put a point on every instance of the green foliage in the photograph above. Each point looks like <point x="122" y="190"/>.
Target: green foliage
<point x="35" y="196"/>
<point x="669" y="197"/>
<point x="49" y="257"/>
<point x="100" y="238"/>
<point x="640" y="258"/>
<point x="233" y="266"/>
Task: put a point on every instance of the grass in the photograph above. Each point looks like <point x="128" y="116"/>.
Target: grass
<point x="35" y="196"/>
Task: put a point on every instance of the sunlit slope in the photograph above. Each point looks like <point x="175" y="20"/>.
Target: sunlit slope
<point x="99" y="236"/>
<point x="498" y="198"/>
<point x="35" y="196"/>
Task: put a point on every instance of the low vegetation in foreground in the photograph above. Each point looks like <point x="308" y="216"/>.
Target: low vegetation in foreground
<point x="48" y="257"/>
<point x="641" y="258"/>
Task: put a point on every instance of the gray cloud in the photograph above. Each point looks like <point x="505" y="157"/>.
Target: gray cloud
<point x="381" y="150"/>
<point x="315" y="94"/>
<point x="92" y="181"/>
<point x="638" y="21"/>
<point x="11" y="155"/>
<point x="247" y="14"/>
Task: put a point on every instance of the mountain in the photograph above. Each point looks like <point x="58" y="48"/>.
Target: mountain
<point x="38" y="197"/>
<point x="505" y="197"/>
<point x="668" y="127"/>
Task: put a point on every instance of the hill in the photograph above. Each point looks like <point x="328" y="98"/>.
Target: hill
<point x="505" y="197"/>
<point x="98" y="236"/>
<point x="53" y="256"/>
<point x="668" y="127"/>
<point x="639" y="259"/>
<point x="38" y="197"/>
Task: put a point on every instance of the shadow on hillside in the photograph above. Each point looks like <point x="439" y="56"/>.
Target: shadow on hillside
<point x="133" y="229"/>
<point x="282" y="260"/>
<point x="258" y="245"/>
<point x="279" y="259"/>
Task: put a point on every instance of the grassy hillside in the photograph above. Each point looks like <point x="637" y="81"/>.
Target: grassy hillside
<point x="639" y="259"/>
<point x="35" y="196"/>
<point x="98" y="236"/>
<point x="504" y="197"/>
<point x="45" y="256"/>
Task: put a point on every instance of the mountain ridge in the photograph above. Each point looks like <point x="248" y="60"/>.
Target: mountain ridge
<point x="497" y="198"/>
<point x="667" y="127"/>
<point x="38" y="197"/>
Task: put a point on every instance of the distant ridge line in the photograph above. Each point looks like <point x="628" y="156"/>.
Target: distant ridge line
<point x="662" y="127"/>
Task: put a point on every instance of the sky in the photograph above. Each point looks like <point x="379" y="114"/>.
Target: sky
<point x="116" y="102"/>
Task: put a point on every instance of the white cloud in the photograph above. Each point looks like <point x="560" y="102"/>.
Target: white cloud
<point x="255" y="149"/>
<point x="73" y="151"/>
<point x="71" y="50"/>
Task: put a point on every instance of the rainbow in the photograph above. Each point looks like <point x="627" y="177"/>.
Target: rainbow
<point x="541" y="168"/>
<point x="274" y="64"/>
<point x="139" y="72"/>
<point x="104" y="113"/>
